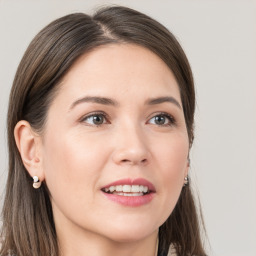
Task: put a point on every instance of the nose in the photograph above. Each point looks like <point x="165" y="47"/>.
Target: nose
<point x="131" y="148"/>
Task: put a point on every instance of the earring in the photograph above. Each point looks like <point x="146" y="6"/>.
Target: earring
<point x="36" y="182"/>
<point x="186" y="181"/>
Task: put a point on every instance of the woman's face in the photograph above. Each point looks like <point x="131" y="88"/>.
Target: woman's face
<point x="115" y="147"/>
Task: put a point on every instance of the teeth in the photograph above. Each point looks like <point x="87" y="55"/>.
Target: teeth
<point x="119" y="188"/>
<point x="112" y="189"/>
<point x="127" y="188"/>
<point x="128" y="194"/>
<point x="135" y="189"/>
<point x="145" y="189"/>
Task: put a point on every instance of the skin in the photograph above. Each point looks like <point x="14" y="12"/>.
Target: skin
<point x="76" y="158"/>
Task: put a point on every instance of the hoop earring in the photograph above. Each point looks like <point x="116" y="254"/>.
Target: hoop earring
<point x="36" y="182"/>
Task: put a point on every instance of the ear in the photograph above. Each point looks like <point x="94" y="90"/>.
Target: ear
<point x="29" y="145"/>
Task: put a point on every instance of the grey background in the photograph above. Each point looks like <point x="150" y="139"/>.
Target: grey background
<point x="219" y="38"/>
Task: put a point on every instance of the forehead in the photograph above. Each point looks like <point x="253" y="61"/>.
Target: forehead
<point x="120" y="70"/>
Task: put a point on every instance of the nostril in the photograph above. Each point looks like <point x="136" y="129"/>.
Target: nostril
<point x="134" y="162"/>
<point x="125" y="160"/>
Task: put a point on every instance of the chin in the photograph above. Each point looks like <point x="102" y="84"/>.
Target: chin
<point x="130" y="233"/>
<point x="121" y="237"/>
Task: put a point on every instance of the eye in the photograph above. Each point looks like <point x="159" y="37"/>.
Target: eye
<point x="95" y="119"/>
<point x="162" y="119"/>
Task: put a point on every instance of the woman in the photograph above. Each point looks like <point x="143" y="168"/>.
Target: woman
<point x="100" y="125"/>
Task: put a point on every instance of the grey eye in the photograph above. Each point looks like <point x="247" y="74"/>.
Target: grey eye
<point x="162" y="120"/>
<point x="159" y="120"/>
<point x="95" y="119"/>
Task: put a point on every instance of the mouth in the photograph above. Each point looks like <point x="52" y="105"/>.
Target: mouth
<point x="130" y="192"/>
<point x="127" y="190"/>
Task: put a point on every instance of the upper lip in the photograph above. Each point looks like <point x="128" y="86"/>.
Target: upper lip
<point x="129" y="181"/>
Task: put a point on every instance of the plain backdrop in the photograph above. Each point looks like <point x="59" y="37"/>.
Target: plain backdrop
<point x="219" y="38"/>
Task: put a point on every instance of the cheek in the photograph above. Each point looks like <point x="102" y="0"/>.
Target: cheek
<point x="71" y="164"/>
<point x="172" y="154"/>
<point x="173" y="164"/>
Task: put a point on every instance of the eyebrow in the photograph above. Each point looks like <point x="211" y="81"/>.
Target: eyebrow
<point x="160" y="100"/>
<point x="111" y="102"/>
<point x="94" y="99"/>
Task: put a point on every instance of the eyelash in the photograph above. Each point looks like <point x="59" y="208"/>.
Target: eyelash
<point x="170" y="118"/>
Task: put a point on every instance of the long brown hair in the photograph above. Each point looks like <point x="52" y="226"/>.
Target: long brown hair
<point x="28" y="224"/>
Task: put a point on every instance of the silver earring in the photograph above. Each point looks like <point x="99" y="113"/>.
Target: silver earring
<point x="36" y="182"/>
<point x="186" y="181"/>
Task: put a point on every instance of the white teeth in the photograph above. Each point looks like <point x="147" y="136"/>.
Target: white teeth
<point x="127" y="188"/>
<point x="139" y="189"/>
<point x="128" y="194"/>
<point x="136" y="188"/>
<point x="118" y="193"/>
<point x="119" y="188"/>
<point x="145" y="189"/>
<point x="112" y="189"/>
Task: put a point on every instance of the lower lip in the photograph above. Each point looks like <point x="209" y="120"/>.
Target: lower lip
<point x="132" y="201"/>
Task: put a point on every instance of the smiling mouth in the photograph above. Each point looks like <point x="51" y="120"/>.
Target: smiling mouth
<point x="130" y="192"/>
<point x="127" y="190"/>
